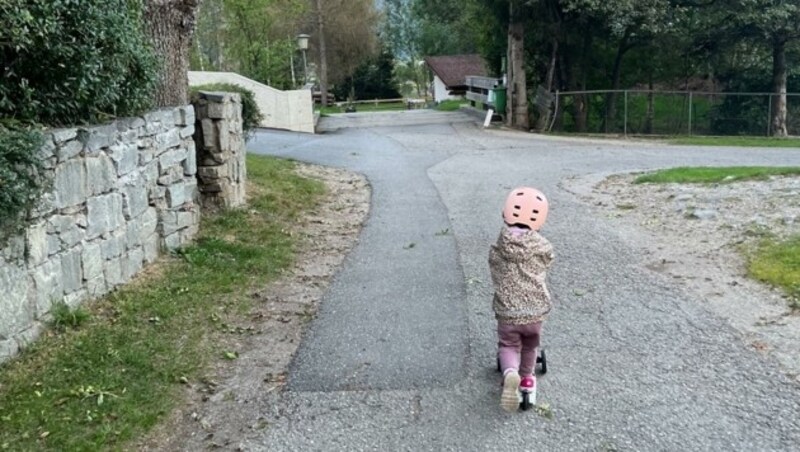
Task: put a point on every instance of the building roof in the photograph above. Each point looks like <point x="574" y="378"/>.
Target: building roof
<point x="453" y="69"/>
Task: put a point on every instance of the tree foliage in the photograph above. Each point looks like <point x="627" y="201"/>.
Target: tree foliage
<point x="74" y="61"/>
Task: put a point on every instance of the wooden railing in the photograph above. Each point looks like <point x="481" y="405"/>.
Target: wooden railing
<point x="478" y="90"/>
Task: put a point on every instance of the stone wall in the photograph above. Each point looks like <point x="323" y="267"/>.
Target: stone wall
<point x="221" y="171"/>
<point x="121" y="193"/>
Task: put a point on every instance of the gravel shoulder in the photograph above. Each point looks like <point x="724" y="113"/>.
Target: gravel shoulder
<point x="699" y="235"/>
<point x="227" y="405"/>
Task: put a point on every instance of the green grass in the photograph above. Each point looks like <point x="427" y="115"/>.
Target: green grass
<point x="365" y="108"/>
<point x="115" y="373"/>
<point x="738" y="141"/>
<point x="778" y="263"/>
<point x="707" y="175"/>
<point x="451" y="105"/>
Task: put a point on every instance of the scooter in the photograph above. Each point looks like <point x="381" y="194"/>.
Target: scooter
<point x="541" y="361"/>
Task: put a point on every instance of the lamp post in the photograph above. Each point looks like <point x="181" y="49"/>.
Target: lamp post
<point x="302" y="44"/>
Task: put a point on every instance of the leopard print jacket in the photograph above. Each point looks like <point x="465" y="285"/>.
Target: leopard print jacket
<point x="518" y="264"/>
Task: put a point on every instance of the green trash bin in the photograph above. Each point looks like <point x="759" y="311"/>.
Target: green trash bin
<point x="499" y="97"/>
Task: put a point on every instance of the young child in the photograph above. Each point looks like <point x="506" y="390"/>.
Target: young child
<point x="518" y="263"/>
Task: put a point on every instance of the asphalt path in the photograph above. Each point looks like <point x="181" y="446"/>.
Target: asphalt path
<point x="401" y="355"/>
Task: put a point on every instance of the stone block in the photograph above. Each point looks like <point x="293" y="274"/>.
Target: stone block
<point x="211" y="159"/>
<point x="186" y="219"/>
<point x="71" y="270"/>
<point x="168" y="139"/>
<point x="70" y="184"/>
<point x="63" y="135"/>
<point x="69" y="149"/>
<point x="66" y="228"/>
<point x="8" y="349"/>
<point x="96" y="287"/>
<point x="134" y="263"/>
<point x="15" y="311"/>
<point x="126" y="124"/>
<point x="113" y="272"/>
<point x="214" y="96"/>
<point x="47" y="153"/>
<point x="150" y="173"/>
<point x="14" y="250"/>
<point x="45" y="286"/>
<point x="92" y="261"/>
<point x="168" y="221"/>
<point x="96" y="138"/>
<point x="101" y="175"/>
<point x="184" y="116"/>
<point x="178" y="194"/>
<point x="53" y="244"/>
<point x="113" y="245"/>
<point x="173" y="242"/>
<point x="75" y="299"/>
<point x="151" y="248"/>
<point x="104" y="214"/>
<point x="146" y="156"/>
<point x="187" y="131"/>
<point x="169" y="159"/>
<point x="135" y="199"/>
<point x="212" y="173"/>
<point x="29" y="335"/>
<point x="216" y="110"/>
<point x="190" y="163"/>
<point x="36" y="243"/>
<point x="172" y="176"/>
<point x="210" y="134"/>
<point x="224" y="133"/>
<point x="46" y="206"/>
<point x="125" y="156"/>
<point x="149" y="222"/>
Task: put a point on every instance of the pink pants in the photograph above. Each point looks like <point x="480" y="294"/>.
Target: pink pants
<point x="517" y="346"/>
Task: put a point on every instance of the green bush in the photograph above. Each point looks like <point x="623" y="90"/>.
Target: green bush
<point x="74" y="61"/>
<point x="21" y="176"/>
<point x="251" y="114"/>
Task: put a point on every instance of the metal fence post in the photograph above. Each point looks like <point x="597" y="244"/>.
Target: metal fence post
<point x="769" y="116"/>
<point x="690" y="113"/>
<point x="625" y="121"/>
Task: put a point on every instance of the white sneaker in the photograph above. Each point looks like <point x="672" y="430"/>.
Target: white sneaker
<point x="509" y="399"/>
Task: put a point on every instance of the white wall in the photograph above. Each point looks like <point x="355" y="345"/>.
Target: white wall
<point x="289" y="110"/>
<point x="440" y="91"/>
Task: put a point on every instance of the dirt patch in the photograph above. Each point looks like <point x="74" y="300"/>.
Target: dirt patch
<point x="227" y="404"/>
<point x="697" y="234"/>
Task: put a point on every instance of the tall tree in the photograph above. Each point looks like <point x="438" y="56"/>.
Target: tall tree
<point x="778" y="24"/>
<point x="350" y="31"/>
<point x="170" y="24"/>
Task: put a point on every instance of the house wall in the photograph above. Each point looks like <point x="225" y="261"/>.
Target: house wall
<point x="440" y="91"/>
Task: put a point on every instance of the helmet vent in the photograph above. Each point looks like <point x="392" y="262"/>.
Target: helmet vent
<point x="539" y="198"/>
<point x="516" y="215"/>
<point x="536" y="211"/>
<point x="517" y="207"/>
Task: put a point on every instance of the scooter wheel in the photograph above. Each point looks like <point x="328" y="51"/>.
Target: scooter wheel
<point x="499" y="369"/>
<point x="543" y="361"/>
<point x="526" y="404"/>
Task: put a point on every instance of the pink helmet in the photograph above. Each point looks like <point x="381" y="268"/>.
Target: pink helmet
<point x="526" y="206"/>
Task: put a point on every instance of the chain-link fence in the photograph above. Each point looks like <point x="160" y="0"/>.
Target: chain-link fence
<point x="644" y="112"/>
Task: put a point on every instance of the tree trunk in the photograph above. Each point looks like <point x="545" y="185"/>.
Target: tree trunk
<point x="779" y="108"/>
<point x="517" y="104"/>
<point x="611" y="101"/>
<point x="170" y="25"/>
<point x="544" y="114"/>
<point x="581" y="108"/>
<point x="323" y="56"/>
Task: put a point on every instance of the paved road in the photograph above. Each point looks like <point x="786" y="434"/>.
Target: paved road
<point x="401" y="356"/>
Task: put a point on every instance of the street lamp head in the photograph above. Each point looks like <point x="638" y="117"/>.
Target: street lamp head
<point x="302" y="41"/>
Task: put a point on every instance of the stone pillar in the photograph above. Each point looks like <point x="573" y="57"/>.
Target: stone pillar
<point x="221" y="171"/>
